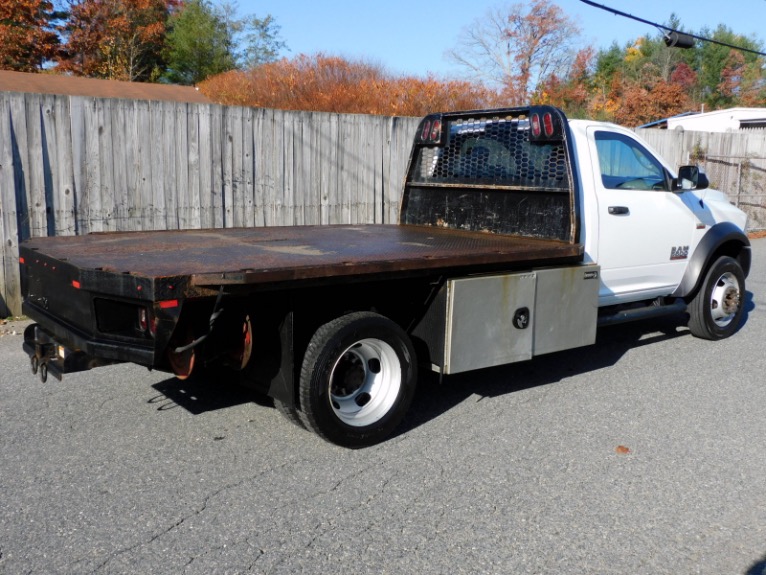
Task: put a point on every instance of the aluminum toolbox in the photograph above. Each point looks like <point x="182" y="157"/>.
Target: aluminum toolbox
<point x="489" y="320"/>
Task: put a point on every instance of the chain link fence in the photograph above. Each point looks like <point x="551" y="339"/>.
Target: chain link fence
<point x="743" y="180"/>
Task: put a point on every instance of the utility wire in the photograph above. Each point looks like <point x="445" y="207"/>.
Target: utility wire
<point x="662" y="27"/>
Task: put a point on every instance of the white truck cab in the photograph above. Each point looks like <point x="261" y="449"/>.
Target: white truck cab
<point x="640" y="225"/>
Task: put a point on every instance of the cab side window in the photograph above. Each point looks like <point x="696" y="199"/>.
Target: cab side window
<point x="626" y="165"/>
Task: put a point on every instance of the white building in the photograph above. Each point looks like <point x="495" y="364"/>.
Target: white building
<point x="729" y="120"/>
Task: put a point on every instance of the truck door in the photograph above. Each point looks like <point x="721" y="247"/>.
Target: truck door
<point x="644" y="229"/>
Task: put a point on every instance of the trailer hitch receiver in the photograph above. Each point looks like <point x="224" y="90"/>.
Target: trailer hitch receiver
<point x="48" y="356"/>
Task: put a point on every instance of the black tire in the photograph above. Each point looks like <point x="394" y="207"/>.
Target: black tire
<point x="716" y="310"/>
<point x="357" y="379"/>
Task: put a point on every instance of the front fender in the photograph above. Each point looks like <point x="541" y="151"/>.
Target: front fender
<point x="721" y="239"/>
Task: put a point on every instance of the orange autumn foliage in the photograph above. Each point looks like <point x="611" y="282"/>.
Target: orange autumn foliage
<point x="334" y="84"/>
<point x="572" y="93"/>
<point x="26" y="36"/>
<point x="640" y="105"/>
<point x="117" y="40"/>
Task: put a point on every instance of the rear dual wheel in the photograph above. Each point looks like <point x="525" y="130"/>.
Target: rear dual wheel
<point x="357" y="379"/>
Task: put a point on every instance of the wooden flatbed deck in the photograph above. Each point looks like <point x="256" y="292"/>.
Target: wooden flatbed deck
<point x="260" y="255"/>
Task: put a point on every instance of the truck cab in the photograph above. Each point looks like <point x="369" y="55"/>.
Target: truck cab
<point x="642" y="224"/>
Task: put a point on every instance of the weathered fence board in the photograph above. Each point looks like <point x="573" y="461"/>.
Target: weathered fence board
<point x="63" y="186"/>
<point x="77" y="131"/>
<point x="112" y="199"/>
<point x="30" y="132"/>
<point x="329" y="187"/>
<point x="49" y="160"/>
<point x="397" y="150"/>
<point x="230" y="148"/>
<point x="8" y="211"/>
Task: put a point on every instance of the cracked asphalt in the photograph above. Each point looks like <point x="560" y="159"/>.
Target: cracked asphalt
<point x="642" y="454"/>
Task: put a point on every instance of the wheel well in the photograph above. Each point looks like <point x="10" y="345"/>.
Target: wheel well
<point x="284" y="322"/>
<point x="734" y="249"/>
<point x="723" y="239"/>
<point x="739" y="252"/>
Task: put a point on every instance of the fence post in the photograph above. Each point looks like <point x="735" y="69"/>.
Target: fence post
<point x="739" y="181"/>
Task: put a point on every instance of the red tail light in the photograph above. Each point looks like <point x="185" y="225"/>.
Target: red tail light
<point x="147" y="323"/>
<point x="436" y="130"/>
<point x="548" y="124"/>
<point x="545" y="125"/>
<point x="535" y="121"/>
<point x="431" y="131"/>
<point x="426" y="130"/>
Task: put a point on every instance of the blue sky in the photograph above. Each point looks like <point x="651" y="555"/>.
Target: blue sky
<point x="411" y="37"/>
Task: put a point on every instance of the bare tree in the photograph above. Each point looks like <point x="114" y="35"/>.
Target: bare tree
<point x="513" y="48"/>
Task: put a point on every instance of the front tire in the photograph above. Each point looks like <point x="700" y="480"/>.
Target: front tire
<point x="716" y="310"/>
<point x="357" y="379"/>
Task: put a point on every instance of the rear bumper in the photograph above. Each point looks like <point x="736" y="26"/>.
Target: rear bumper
<point x="63" y="348"/>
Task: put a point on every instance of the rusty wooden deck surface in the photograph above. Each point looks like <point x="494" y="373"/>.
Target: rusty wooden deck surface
<point x="257" y="255"/>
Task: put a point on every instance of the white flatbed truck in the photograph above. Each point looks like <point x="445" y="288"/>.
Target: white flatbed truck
<point x="520" y="233"/>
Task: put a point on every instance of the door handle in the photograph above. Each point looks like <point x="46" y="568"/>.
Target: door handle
<point x="619" y="210"/>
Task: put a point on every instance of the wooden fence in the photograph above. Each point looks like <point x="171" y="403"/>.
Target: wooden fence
<point x="74" y="165"/>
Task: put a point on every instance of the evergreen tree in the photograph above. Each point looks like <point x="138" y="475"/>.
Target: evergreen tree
<point x="206" y="40"/>
<point x="198" y="45"/>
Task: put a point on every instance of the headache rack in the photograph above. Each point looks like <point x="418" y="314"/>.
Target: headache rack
<point x="504" y="172"/>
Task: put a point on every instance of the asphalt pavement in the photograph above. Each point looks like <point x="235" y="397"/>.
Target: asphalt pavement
<point x="643" y="454"/>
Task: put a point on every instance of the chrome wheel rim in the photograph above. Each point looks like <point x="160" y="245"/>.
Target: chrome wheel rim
<point x="725" y="300"/>
<point x="365" y="382"/>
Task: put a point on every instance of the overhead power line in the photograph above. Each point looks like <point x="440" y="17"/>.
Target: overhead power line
<point x="668" y="29"/>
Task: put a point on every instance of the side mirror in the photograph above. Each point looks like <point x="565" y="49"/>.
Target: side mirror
<point x="690" y="178"/>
